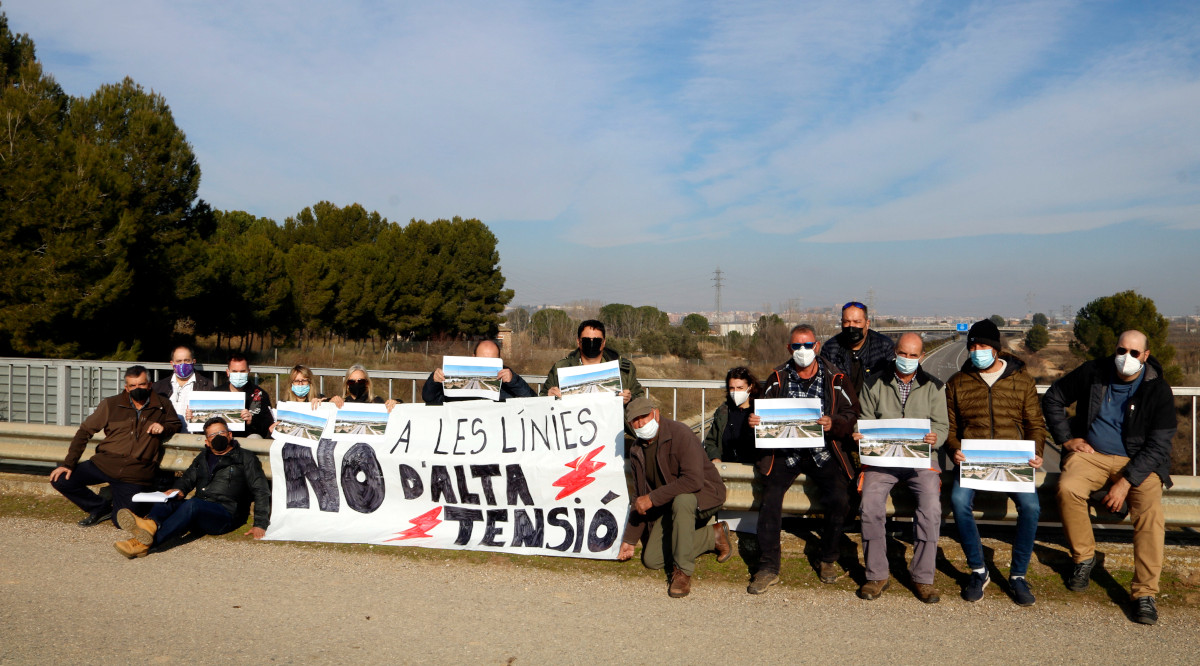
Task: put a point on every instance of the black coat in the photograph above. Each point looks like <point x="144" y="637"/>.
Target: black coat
<point x="1149" y="423"/>
<point x="256" y="398"/>
<point x="237" y="479"/>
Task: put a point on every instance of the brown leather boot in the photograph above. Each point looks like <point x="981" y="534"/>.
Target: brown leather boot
<point x="131" y="548"/>
<point x="724" y="549"/>
<point x="928" y="593"/>
<point x="142" y="529"/>
<point x="873" y="589"/>
<point x="681" y="584"/>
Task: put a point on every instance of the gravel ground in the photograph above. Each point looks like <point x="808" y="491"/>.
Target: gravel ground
<point x="67" y="596"/>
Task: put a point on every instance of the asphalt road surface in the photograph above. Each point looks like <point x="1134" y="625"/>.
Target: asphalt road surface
<point x="67" y="597"/>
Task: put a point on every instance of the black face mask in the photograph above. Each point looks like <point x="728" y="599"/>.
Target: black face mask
<point x="219" y="443"/>
<point x="590" y="347"/>
<point x="357" y="389"/>
<point x="140" y="394"/>
<point x="850" y="335"/>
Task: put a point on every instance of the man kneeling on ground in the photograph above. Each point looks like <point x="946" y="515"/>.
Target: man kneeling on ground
<point x="677" y="491"/>
<point x="226" y="477"/>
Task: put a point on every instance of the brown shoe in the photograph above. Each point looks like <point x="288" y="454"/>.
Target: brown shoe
<point x="829" y="573"/>
<point x="131" y="548"/>
<point x="142" y="529"/>
<point x="724" y="550"/>
<point x="872" y="589"/>
<point x="761" y="581"/>
<point x="928" y="593"/>
<point x="681" y="584"/>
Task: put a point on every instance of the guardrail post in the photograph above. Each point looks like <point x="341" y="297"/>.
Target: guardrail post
<point x="63" y="395"/>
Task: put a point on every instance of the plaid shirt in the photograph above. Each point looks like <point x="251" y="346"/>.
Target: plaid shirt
<point x="795" y="387"/>
<point x="905" y="388"/>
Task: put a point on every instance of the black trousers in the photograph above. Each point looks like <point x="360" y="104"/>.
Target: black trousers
<point x="834" y="487"/>
<point x="87" y="474"/>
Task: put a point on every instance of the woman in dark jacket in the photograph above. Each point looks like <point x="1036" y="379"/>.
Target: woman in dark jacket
<point x="730" y="437"/>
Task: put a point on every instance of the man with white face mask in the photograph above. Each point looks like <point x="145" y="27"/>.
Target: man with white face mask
<point x="257" y="413"/>
<point x="806" y="375"/>
<point x="677" y="491"/>
<point x="1120" y="437"/>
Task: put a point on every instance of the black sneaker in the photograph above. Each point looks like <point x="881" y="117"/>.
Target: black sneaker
<point x="974" y="591"/>
<point x="1081" y="576"/>
<point x="1021" y="592"/>
<point x="1144" y="610"/>
<point x="98" y="516"/>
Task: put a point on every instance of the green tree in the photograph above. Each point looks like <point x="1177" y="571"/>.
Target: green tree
<point x="653" y="342"/>
<point x="1041" y="319"/>
<point x="620" y="320"/>
<point x="682" y="343"/>
<point x="998" y="320"/>
<point x="696" y="323"/>
<point x="650" y="317"/>
<point x="1099" y="323"/>
<point x="553" y="327"/>
<point x="770" y="339"/>
<point x="518" y="320"/>
<point x="1036" y="338"/>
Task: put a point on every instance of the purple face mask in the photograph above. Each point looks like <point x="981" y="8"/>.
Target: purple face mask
<point x="184" y="370"/>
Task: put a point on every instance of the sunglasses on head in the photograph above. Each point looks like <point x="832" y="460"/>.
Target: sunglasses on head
<point x="802" y="345"/>
<point x="854" y="304"/>
<point x="1136" y="353"/>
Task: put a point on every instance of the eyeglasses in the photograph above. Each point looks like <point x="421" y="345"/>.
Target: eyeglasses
<point x="356" y="382"/>
<point x="1136" y="353"/>
<point x="219" y="433"/>
<point x="854" y="304"/>
<point x="300" y="382"/>
<point x="802" y="345"/>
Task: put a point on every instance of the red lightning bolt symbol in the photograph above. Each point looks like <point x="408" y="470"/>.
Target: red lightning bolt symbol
<point x="421" y="525"/>
<point x="583" y="467"/>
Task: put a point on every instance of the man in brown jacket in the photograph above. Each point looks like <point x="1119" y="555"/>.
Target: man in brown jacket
<point x="677" y="492"/>
<point x="135" y="424"/>
<point x="992" y="397"/>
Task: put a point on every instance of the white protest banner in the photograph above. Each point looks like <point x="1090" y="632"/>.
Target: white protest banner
<point x="598" y="378"/>
<point x="895" y="443"/>
<point x="471" y="377"/>
<point x="998" y="464"/>
<point x="534" y="477"/>
<point x="203" y="405"/>
<point x="788" y="423"/>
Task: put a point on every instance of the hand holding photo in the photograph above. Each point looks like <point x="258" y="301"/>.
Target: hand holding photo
<point x="471" y="377"/>
<point x="206" y="404"/>
<point x="895" y="443"/>
<point x="599" y="378"/>
<point x="788" y="423"/>
<point x="999" y="465"/>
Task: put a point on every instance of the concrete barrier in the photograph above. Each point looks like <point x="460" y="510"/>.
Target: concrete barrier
<point x="1181" y="503"/>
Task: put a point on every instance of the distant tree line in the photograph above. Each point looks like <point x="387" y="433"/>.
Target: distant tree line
<point x="645" y="328"/>
<point x="105" y="248"/>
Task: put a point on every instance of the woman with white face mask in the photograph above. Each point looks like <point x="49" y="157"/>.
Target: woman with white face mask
<point x="730" y="437"/>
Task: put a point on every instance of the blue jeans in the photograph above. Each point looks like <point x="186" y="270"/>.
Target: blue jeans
<point x="176" y="517"/>
<point x="1028" y="510"/>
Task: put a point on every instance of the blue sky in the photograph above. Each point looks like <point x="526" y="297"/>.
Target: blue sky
<point x="585" y="377"/>
<point x="994" y="149"/>
<point x="892" y="433"/>
<point x="787" y="414"/>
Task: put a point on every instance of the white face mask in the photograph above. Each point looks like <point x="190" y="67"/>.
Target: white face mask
<point x="804" y="357"/>
<point x="739" y="397"/>
<point x="1128" y="365"/>
<point x="648" y="431"/>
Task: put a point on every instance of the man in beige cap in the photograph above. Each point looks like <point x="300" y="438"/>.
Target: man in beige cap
<point x="676" y="492"/>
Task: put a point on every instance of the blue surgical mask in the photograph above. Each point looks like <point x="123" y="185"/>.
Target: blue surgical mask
<point x="982" y="358"/>
<point x="239" y="379"/>
<point x="907" y="366"/>
<point x="301" y="390"/>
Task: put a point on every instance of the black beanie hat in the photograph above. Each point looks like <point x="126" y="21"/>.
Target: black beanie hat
<point x="984" y="332"/>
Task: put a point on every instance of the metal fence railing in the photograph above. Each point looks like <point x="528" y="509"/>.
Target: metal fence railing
<point x="65" y="391"/>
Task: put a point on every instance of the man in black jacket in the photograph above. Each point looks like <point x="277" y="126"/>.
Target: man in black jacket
<point x="226" y="477"/>
<point x="512" y="385"/>
<point x="858" y="351"/>
<point x="1119" y="437"/>
<point x="257" y="413"/>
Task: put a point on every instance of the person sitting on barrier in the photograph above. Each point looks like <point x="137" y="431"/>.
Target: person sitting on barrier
<point x="178" y="386"/>
<point x="1120" y="437"/>
<point x="300" y="389"/>
<point x="135" y="422"/>
<point x="993" y="397"/>
<point x="257" y="414"/>
<point x="806" y="375"/>
<point x="357" y="389"/>
<point x="730" y="437"/>
<point x="511" y="384"/>
<point x="591" y="350"/>
<point x="677" y="492"/>
<point x="226" y="478"/>
<point x="909" y="393"/>
<point x="858" y="351"/>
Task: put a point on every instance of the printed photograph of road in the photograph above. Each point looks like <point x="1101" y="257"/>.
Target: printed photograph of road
<point x="787" y="422"/>
<point x="888" y="439"/>
<point x="300" y="424"/>
<point x="356" y="422"/>
<point x="228" y="408"/>
<point x="606" y="380"/>
<point x="1001" y="470"/>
